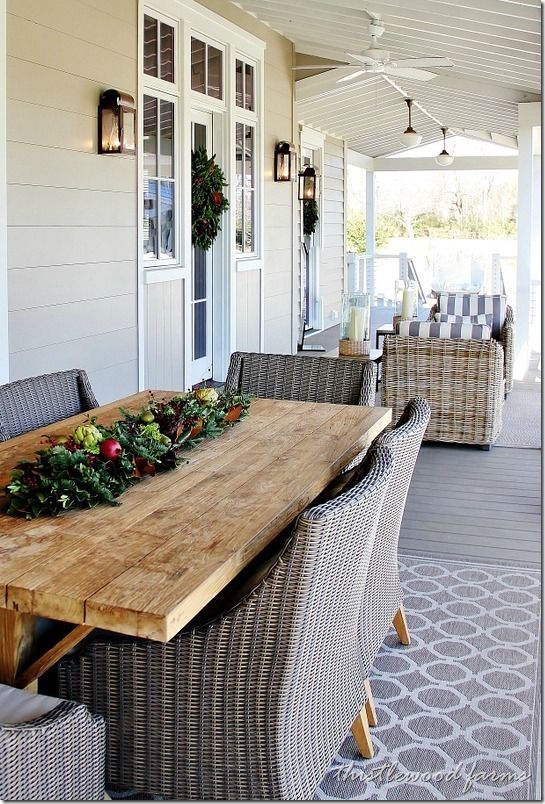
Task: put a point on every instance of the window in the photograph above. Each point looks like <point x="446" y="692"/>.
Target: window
<point x="206" y="69"/>
<point x="158" y="161"/>
<point x="158" y="49"/>
<point x="245" y="188"/>
<point x="244" y="85"/>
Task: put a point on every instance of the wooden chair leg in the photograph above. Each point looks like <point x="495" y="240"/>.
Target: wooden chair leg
<point x="370" y="704"/>
<point x="362" y="735"/>
<point x="400" y="624"/>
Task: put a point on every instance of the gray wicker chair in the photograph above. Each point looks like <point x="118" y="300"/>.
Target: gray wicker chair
<point x="55" y="754"/>
<point x="35" y="402"/>
<point x="339" y="380"/>
<point x="254" y="704"/>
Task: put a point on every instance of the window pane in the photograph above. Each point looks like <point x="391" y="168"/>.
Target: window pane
<point x="198" y="77"/>
<point x="239" y="133"/>
<point x="239" y="83"/>
<point x="199" y="330"/>
<point x="150" y="46"/>
<point x="150" y="218"/>
<point x="249" y="157"/>
<point x="166" y="156"/>
<point x="238" y="221"/>
<point x="150" y="136"/>
<point x="215" y="61"/>
<point x="249" y="87"/>
<point x="167" y="219"/>
<point x="167" y="52"/>
<point x="199" y="274"/>
<point x="249" y="220"/>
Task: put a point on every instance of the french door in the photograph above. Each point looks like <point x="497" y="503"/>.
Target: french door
<point x="201" y="284"/>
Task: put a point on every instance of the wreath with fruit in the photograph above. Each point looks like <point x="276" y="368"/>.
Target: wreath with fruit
<point x="95" y="464"/>
<point x="208" y="203"/>
<point x="310" y="217"/>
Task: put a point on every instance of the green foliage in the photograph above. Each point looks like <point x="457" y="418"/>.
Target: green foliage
<point x="208" y="202"/>
<point x="310" y="217"/>
<point x="74" y="474"/>
<point x="387" y="226"/>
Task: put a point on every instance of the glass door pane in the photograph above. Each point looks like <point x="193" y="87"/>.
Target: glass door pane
<point x="201" y="291"/>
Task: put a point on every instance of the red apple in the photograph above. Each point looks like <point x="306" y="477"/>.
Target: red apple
<point x="110" y="449"/>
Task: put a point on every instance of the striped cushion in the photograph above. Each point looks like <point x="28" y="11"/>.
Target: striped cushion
<point x="476" y="304"/>
<point x="434" y="329"/>
<point x="464" y="319"/>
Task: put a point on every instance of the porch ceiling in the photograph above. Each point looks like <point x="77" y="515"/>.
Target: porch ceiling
<point x="495" y="46"/>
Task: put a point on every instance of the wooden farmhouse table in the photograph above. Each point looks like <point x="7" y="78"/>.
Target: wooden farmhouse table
<point x="146" y="567"/>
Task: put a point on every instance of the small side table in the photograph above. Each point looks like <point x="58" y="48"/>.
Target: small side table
<point x="382" y="331"/>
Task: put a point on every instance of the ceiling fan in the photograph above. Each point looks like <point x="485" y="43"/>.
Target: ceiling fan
<point x="377" y="61"/>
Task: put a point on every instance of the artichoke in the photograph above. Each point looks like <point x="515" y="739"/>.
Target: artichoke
<point x="206" y="396"/>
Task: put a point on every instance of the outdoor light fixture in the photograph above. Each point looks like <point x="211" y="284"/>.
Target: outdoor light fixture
<point x="444" y="158"/>
<point x="116" y="123"/>
<point x="285" y="162"/>
<point x="409" y="137"/>
<point x="308" y="184"/>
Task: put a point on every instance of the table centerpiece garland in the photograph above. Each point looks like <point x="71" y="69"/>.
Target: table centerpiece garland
<point x="95" y="464"/>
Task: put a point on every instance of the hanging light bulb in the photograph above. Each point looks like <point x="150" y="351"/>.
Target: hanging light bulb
<point x="444" y="158"/>
<point x="409" y="137"/>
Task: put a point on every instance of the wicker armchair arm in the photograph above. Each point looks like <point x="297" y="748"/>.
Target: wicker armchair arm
<point x="508" y="341"/>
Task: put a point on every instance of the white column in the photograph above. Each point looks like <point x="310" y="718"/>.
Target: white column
<point x="529" y="117"/>
<point x="4" y="345"/>
<point x="370" y="231"/>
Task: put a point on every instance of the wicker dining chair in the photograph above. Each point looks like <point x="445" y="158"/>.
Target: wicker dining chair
<point x="255" y="703"/>
<point x="36" y="402"/>
<point x="339" y="380"/>
<point x="50" y="750"/>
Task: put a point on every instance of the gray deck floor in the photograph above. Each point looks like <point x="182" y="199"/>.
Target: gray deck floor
<point x="467" y="503"/>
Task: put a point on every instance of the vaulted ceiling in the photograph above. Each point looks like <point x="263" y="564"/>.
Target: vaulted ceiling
<point x="495" y="46"/>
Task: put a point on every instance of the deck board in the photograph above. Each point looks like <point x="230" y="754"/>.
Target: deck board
<point x="465" y="502"/>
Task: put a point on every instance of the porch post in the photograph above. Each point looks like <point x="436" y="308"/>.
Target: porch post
<point x="528" y="238"/>
<point x="4" y="346"/>
<point x="370" y="231"/>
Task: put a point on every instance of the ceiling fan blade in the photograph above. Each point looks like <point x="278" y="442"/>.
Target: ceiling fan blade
<point x="432" y="61"/>
<point x="351" y="76"/>
<point x="363" y="59"/>
<point x="322" y="66"/>
<point x="409" y="72"/>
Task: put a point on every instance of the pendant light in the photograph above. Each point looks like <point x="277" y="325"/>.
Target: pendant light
<point x="444" y="158"/>
<point x="409" y="137"/>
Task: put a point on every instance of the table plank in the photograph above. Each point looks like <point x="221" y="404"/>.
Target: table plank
<point x="147" y="567"/>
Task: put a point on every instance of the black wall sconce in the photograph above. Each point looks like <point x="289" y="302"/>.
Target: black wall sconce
<point x="285" y="162"/>
<point x="308" y="184"/>
<point x="116" y="123"/>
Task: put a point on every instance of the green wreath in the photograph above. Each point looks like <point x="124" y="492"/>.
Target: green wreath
<point x="310" y="217"/>
<point x="208" y="202"/>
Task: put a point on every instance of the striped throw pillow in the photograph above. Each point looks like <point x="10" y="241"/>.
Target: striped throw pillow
<point x="436" y="329"/>
<point x="476" y="304"/>
<point x="484" y="318"/>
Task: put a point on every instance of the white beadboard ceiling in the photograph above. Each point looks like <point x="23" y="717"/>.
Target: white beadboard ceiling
<point x="495" y="46"/>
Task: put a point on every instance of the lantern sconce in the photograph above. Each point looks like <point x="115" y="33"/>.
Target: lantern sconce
<point x="308" y="184"/>
<point x="285" y="162"/>
<point x="116" y="123"/>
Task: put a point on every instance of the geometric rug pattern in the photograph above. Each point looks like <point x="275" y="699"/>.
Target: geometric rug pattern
<point x="458" y="709"/>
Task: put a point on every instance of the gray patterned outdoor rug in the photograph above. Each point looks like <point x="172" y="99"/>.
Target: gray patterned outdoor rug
<point x="458" y="710"/>
<point x="521" y="419"/>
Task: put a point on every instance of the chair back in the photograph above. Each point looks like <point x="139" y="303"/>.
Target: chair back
<point x="342" y="381"/>
<point x="383" y="594"/>
<point x="35" y="402"/>
<point x="316" y="676"/>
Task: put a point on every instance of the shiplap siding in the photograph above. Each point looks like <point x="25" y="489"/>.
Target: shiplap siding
<point x="333" y="211"/>
<point x="164" y="334"/>
<point x="279" y="263"/>
<point x="71" y="213"/>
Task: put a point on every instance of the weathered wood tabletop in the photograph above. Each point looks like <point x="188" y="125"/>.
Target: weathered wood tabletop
<point x="147" y="567"/>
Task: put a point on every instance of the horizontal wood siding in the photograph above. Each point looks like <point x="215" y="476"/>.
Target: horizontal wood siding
<point x="71" y="213"/>
<point x="333" y="213"/>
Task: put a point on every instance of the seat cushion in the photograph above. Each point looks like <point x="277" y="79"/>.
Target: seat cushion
<point x="476" y="304"/>
<point x="434" y="329"/>
<point x="444" y="318"/>
<point x="18" y="706"/>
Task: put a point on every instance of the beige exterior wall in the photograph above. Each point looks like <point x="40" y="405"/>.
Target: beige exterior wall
<point x="71" y="213"/>
<point x="333" y="257"/>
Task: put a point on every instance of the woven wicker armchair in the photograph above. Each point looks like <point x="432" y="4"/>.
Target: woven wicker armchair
<point x="57" y="756"/>
<point x="309" y="379"/>
<point x="254" y="704"/>
<point x="461" y="379"/>
<point x="36" y="402"/>
<point x="507" y="341"/>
